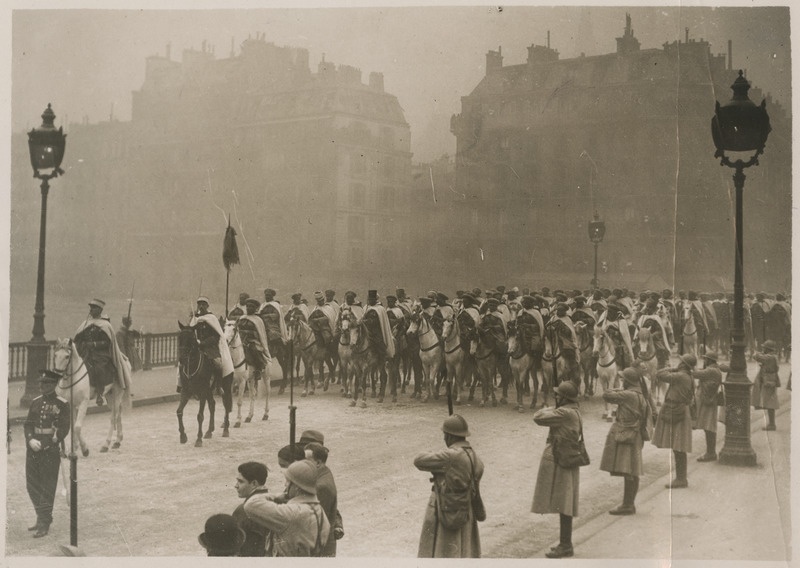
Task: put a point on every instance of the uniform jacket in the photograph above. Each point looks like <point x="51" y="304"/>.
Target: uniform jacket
<point x="676" y="435"/>
<point x="295" y="525"/>
<point x="451" y="468"/>
<point x="326" y="493"/>
<point x="47" y="421"/>
<point x="705" y="396"/>
<point x="632" y="413"/>
<point x="557" y="489"/>
<point x="764" y="395"/>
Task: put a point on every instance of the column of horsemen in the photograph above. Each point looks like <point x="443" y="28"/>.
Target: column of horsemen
<point x="557" y="331"/>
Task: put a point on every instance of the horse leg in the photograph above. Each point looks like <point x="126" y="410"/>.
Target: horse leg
<point x="111" y="399"/>
<point x="252" y="384"/>
<point x="505" y="377"/>
<point x="200" y="411"/>
<point x="179" y="412"/>
<point x="227" y="404"/>
<point x="116" y="445"/>
<point x="239" y="396"/>
<point x="80" y="414"/>
<point x="365" y="377"/>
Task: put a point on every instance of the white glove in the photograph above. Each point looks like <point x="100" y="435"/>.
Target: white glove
<point x="35" y="444"/>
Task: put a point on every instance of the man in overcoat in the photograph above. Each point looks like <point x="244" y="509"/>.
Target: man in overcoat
<point x="674" y="425"/>
<point x="557" y="488"/>
<point x="327" y="495"/>
<point x="622" y="454"/>
<point x="767" y="381"/>
<point x="454" y="469"/>
<point x="708" y="382"/>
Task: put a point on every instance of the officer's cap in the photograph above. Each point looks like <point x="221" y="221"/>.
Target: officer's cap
<point x="49" y="376"/>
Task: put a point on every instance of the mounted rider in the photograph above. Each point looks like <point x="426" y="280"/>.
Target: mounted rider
<point x="271" y="314"/>
<point x="254" y="338"/>
<point x="330" y="299"/>
<point x="211" y="338"/>
<point x="353" y="304"/>
<point x="530" y="326"/>
<point x="672" y="314"/>
<point x="651" y="320"/>
<point x="494" y="324"/>
<point x="698" y="312"/>
<point x="616" y="327"/>
<point x="377" y="323"/>
<point x="564" y="329"/>
<point x="322" y="319"/>
<point x="239" y="309"/>
<point x="406" y="304"/>
<point x="468" y="319"/>
<point x="297" y="307"/>
<point x="96" y="343"/>
<point x="443" y="311"/>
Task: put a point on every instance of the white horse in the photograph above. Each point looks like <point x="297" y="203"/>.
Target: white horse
<point x="345" y="347"/>
<point x="648" y="363"/>
<point x="689" y="330"/>
<point x="74" y="387"/>
<point x="453" y="357"/>
<point x="430" y="351"/>
<point x="606" y="366"/>
<point x="521" y="363"/>
<point x="244" y="376"/>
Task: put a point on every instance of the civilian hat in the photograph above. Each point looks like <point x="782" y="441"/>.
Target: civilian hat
<point x="312" y="436"/>
<point x="222" y="534"/>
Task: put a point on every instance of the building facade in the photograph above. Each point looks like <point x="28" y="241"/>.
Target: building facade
<point x="543" y="145"/>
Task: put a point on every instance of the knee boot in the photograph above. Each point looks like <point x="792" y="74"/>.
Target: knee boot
<point x="627" y="507"/>
<point x="680" y="480"/>
<point x="771" y="416"/>
<point x="711" y="447"/>
<point x="564" y="548"/>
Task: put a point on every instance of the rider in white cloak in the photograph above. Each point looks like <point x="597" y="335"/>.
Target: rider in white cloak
<point x="373" y="307"/>
<point x="217" y="350"/>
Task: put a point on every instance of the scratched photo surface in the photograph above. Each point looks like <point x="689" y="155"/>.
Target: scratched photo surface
<point x="436" y="153"/>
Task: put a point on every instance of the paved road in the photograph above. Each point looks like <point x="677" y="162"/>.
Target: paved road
<point x="151" y="497"/>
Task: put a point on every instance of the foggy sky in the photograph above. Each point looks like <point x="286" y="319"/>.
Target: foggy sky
<point x="87" y="61"/>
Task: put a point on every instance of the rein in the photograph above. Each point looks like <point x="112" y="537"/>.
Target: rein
<point x="188" y="357"/>
<point x="420" y="335"/>
<point x="601" y="355"/>
<point x="231" y="345"/>
<point x="73" y="373"/>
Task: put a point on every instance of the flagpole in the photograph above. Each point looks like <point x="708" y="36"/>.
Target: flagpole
<point x="227" y="275"/>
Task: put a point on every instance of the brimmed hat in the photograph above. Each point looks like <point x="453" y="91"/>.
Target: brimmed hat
<point x="568" y="390"/>
<point x="689" y="359"/>
<point x="710" y="356"/>
<point x="769" y="345"/>
<point x="303" y="474"/>
<point x="309" y="436"/>
<point x="49" y="376"/>
<point x="99" y="303"/>
<point x="440" y="297"/>
<point x="222" y="534"/>
<point x="456" y="425"/>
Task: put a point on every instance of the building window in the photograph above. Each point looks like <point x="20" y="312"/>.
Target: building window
<point x="355" y="228"/>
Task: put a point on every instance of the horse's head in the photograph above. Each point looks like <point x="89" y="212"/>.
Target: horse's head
<point x="413" y="325"/>
<point x="473" y="345"/>
<point x="645" y="338"/>
<point x="599" y="337"/>
<point x="447" y="326"/>
<point x="187" y="339"/>
<point x="512" y="340"/>
<point x="62" y="354"/>
<point x="345" y="318"/>
<point x="230" y="330"/>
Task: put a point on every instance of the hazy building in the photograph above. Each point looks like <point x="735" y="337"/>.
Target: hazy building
<point x="314" y="169"/>
<point x="543" y="144"/>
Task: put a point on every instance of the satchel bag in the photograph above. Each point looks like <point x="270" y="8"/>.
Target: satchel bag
<point x="569" y="453"/>
<point x="624" y="435"/>
<point x="453" y="508"/>
<point x="478" y="509"/>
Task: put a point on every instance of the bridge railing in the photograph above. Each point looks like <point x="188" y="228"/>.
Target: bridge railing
<point x="155" y="349"/>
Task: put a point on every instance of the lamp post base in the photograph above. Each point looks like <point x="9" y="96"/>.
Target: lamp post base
<point x="737" y="449"/>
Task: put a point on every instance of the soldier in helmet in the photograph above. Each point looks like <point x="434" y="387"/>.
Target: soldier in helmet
<point x="455" y="469"/>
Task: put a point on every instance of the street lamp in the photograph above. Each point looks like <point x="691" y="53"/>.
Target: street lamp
<point x="46" y="146"/>
<point x="597" y="230"/>
<point x="739" y="126"/>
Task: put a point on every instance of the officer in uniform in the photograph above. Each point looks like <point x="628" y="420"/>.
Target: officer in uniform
<point x="45" y="429"/>
<point x="96" y="343"/>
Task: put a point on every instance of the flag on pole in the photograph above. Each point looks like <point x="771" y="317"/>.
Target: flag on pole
<point x="230" y="251"/>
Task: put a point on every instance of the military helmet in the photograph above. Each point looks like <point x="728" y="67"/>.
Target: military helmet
<point x="456" y="426"/>
<point x="689" y="360"/>
<point x="303" y="474"/>
<point x="568" y="390"/>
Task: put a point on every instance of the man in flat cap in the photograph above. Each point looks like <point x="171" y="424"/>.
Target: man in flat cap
<point x="45" y="428"/>
<point x="96" y="343"/>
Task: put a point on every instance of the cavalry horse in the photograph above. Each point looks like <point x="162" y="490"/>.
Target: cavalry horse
<point x="585" y="344"/>
<point x="196" y="372"/>
<point x="400" y="354"/>
<point x="345" y="349"/>
<point x="554" y="365"/>
<point x="482" y="348"/>
<point x="605" y="352"/>
<point x="74" y="387"/>
<point x="454" y="356"/>
<point x="308" y="348"/>
<point x="648" y="363"/>
<point x="522" y="364"/>
<point x="366" y="360"/>
<point x="689" y="331"/>
<point x="430" y="352"/>
<point x="244" y="376"/>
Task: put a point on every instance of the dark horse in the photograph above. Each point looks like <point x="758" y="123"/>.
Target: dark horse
<point x="196" y="373"/>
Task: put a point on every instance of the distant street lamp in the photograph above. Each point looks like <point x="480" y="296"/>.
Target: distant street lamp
<point x="739" y="126"/>
<point x="597" y="230"/>
<point x="46" y="146"/>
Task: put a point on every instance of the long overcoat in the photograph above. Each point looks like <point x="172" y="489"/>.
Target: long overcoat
<point x="676" y="435"/>
<point x="328" y="498"/>
<point x="765" y="396"/>
<point x="632" y="410"/>
<point x="557" y="488"/>
<point x="450" y="467"/>
<point x="705" y="396"/>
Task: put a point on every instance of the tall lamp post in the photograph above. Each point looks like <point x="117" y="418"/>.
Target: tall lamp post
<point x="46" y="146"/>
<point x="597" y="230"/>
<point x="739" y="126"/>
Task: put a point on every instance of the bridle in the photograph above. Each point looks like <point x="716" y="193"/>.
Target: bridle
<point x="187" y="353"/>
<point x="607" y="351"/>
<point x="73" y="373"/>
<point x="231" y="345"/>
